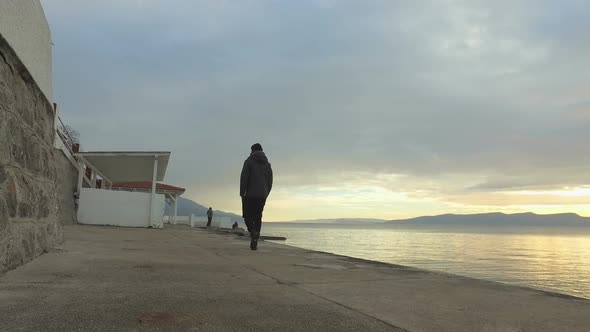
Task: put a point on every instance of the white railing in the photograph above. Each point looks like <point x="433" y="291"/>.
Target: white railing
<point x="180" y="220"/>
<point x="199" y="221"/>
<point x="62" y="132"/>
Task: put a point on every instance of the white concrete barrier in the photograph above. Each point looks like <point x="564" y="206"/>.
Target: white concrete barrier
<point x="180" y="220"/>
<point x="218" y="222"/>
<point x="201" y="221"/>
<point x="119" y="208"/>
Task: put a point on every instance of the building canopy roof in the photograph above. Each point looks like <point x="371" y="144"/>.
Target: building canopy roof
<point x="128" y="166"/>
<point x="146" y="186"/>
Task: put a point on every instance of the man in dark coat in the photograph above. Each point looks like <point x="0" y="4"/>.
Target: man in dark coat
<point x="255" y="186"/>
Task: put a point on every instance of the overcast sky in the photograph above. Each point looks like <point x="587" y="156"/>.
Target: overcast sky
<point x="384" y="109"/>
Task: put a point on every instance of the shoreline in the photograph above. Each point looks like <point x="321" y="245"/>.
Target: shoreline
<point x="469" y="268"/>
<point x="442" y="273"/>
<point x="378" y="263"/>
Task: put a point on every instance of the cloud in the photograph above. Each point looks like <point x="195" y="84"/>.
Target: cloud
<point x="469" y="97"/>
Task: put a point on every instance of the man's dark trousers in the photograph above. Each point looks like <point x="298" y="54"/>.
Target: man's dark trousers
<point x="252" y="208"/>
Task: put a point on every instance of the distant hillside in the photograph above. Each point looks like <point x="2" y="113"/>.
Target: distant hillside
<point x="340" y="221"/>
<point x="499" y="219"/>
<point x="187" y="206"/>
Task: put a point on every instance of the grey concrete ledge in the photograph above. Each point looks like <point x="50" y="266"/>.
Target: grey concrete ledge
<point x="182" y="279"/>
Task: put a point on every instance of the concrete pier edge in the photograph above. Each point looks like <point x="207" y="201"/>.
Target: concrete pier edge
<point x="182" y="279"/>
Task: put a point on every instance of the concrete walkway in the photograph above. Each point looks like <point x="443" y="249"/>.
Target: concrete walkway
<point x="178" y="279"/>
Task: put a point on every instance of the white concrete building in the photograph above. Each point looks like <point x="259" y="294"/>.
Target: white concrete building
<point x="24" y="26"/>
<point x="111" y="188"/>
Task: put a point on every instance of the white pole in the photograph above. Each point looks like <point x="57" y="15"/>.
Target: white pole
<point x="153" y="198"/>
<point x="168" y="200"/>
<point x="80" y="180"/>
<point x="175" y="208"/>
<point x="80" y="176"/>
<point x="171" y="211"/>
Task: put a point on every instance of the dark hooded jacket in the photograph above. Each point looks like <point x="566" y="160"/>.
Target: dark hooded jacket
<point x="256" y="179"/>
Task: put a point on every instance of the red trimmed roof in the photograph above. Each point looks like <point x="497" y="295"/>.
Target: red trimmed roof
<point x="147" y="186"/>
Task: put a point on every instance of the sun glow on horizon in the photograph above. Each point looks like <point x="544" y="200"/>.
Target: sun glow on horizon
<point x="371" y="200"/>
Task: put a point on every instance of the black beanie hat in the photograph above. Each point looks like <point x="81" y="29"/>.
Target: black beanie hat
<point x="256" y="147"/>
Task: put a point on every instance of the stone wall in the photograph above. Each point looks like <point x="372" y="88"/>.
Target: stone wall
<point x="36" y="180"/>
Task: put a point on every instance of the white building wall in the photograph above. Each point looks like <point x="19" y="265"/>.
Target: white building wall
<point x="24" y="26"/>
<point x="119" y="208"/>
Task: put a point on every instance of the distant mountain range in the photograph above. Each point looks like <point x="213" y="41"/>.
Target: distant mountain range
<point x="499" y="219"/>
<point x="483" y="219"/>
<point x="341" y="221"/>
<point x="186" y="207"/>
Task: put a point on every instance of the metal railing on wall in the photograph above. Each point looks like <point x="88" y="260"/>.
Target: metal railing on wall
<point x="65" y="136"/>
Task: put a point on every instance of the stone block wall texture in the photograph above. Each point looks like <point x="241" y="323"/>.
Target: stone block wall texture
<point x="37" y="181"/>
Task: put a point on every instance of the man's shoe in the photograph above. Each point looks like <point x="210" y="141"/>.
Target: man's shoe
<point x="254" y="244"/>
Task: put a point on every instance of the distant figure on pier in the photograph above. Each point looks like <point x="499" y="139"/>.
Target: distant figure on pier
<point x="209" y="217"/>
<point x="235" y="225"/>
<point x="255" y="186"/>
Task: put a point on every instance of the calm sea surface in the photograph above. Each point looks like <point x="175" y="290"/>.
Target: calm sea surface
<point x="543" y="258"/>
